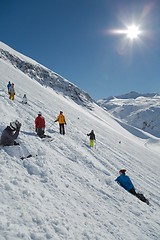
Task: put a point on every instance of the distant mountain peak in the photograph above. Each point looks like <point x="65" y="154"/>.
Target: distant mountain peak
<point x="129" y="95"/>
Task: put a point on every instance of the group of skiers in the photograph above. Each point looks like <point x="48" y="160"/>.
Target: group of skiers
<point x="11" y="132"/>
<point x="40" y="124"/>
<point x="40" y="121"/>
<point x="11" y="92"/>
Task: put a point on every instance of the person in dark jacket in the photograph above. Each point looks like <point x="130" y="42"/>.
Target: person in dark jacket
<point x="127" y="184"/>
<point x="24" y="99"/>
<point x="40" y="125"/>
<point x="92" y="138"/>
<point x="10" y="133"/>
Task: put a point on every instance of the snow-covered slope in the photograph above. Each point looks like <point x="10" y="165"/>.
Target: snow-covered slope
<point x="68" y="191"/>
<point x="44" y="76"/>
<point x="139" y="110"/>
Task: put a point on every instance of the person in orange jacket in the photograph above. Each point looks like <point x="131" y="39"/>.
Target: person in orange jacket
<point x="62" y="121"/>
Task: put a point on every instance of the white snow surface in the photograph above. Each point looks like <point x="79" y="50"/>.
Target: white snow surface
<point x="68" y="191"/>
<point x="139" y="110"/>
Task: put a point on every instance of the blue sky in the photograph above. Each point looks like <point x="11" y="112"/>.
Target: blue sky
<point x="73" y="38"/>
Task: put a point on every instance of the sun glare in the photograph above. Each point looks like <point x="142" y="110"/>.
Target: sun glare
<point x="131" y="35"/>
<point x="132" y="32"/>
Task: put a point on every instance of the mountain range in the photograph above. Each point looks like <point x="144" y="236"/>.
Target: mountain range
<point x="139" y="110"/>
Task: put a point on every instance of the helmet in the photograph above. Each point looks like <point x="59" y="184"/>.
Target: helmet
<point x="39" y="113"/>
<point x="18" y="124"/>
<point x="61" y="112"/>
<point x="122" y="171"/>
<point x="13" y="126"/>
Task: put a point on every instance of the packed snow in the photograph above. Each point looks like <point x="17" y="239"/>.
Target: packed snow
<point x="69" y="191"/>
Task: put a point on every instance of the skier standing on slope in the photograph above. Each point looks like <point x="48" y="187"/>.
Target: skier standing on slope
<point x="92" y="138"/>
<point x="62" y="121"/>
<point x="40" y="125"/>
<point x="8" y="86"/>
<point x="127" y="184"/>
<point x="10" y="133"/>
<point x="11" y="92"/>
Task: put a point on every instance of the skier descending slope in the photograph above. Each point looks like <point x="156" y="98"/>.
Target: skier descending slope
<point x="127" y="184"/>
<point x="92" y="138"/>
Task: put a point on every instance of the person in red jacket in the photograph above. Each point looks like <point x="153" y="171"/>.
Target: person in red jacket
<point x="40" y="125"/>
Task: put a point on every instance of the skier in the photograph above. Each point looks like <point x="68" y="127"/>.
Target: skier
<point x="8" y="86"/>
<point x="40" y="125"/>
<point x="24" y="99"/>
<point x="127" y="184"/>
<point x="92" y="138"/>
<point x="11" y="92"/>
<point x="10" y="133"/>
<point x="13" y="148"/>
<point x="62" y="121"/>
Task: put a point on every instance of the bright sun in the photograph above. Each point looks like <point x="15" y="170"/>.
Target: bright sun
<point x="132" y="32"/>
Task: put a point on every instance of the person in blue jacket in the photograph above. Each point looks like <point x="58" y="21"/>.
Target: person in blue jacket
<point x="8" y="86"/>
<point x="127" y="184"/>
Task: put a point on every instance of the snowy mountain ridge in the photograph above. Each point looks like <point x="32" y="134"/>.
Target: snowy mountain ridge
<point x="139" y="110"/>
<point x="68" y="191"/>
<point x="129" y="95"/>
<point x="44" y="76"/>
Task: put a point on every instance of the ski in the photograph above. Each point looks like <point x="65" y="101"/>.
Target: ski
<point x="29" y="156"/>
<point x="47" y="139"/>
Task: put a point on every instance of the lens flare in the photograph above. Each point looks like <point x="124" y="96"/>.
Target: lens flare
<point x="133" y="32"/>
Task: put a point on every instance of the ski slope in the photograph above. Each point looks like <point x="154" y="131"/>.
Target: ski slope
<point x="68" y="191"/>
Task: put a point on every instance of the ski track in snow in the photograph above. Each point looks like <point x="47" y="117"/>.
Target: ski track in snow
<point x="68" y="191"/>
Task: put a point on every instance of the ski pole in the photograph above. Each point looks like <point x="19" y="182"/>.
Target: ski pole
<point x="86" y="139"/>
